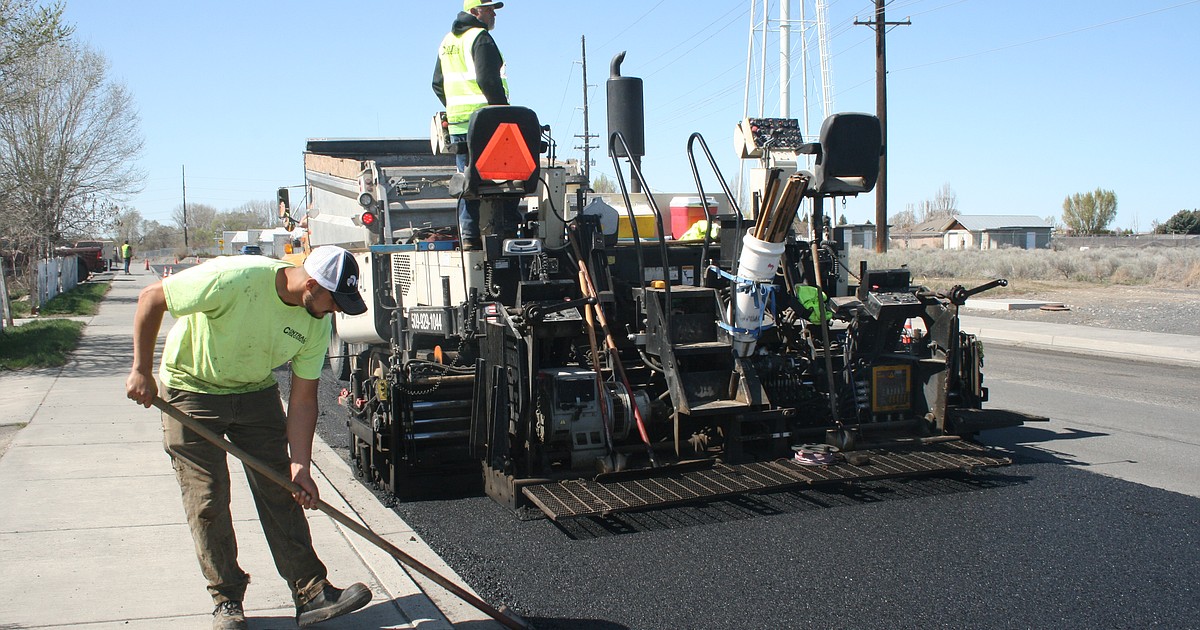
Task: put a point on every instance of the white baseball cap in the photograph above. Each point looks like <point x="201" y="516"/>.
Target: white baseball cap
<point x="336" y="270"/>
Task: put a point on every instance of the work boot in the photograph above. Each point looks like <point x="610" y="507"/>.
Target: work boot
<point x="228" y="615"/>
<point x="332" y="602"/>
<point x="472" y="244"/>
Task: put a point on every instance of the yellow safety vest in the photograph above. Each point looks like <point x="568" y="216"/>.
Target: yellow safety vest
<point x="125" y="250"/>
<point x="460" y="81"/>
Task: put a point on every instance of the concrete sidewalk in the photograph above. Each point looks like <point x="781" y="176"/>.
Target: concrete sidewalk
<point x="92" y="529"/>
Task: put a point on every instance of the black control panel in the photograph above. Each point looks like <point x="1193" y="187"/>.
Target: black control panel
<point x="892" y="304"/>
<point x="776" y="133"/>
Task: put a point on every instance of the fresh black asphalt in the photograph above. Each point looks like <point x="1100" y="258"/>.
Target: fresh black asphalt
<point x="1034" y="545"/>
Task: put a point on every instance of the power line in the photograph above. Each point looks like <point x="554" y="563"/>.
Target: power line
<point x="632" y="24"/>
<point x="1049" y="37"/>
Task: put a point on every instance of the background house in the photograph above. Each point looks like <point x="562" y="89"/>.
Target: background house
<point x="996" y="231"/>
<point x="856" y="234"/>
<point x="984" y="231"/>
<point x="273" y="241"/>
<point x="922" y="235"/>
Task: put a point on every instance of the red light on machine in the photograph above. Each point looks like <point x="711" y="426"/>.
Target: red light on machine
<point x="506" y="156"/>
<point x="367" y="218"/>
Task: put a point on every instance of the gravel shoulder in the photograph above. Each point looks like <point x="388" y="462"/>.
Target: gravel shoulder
<point x="1137" y="308"/>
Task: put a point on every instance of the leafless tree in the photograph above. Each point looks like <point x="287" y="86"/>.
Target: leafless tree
<point x="157" y="236"/>
<point x="127" y="226"/>
<point x="201" y="222"/>
<point x="68" y="141"/>
<point x="25" y="30"/>
<point x="904" y="220"/>
<point x="944" y="205"/>
<point x="263" y="213"/>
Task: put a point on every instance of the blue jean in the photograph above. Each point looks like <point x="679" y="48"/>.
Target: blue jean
<point x="468" y="209"/>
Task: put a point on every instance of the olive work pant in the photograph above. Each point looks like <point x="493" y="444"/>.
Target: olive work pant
<point x="255" y="422"/>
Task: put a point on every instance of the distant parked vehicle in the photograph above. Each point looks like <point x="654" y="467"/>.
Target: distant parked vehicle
<point x="252" y="249"/>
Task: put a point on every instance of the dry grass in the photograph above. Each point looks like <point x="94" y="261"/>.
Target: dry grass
<point x="1032" y="270"/>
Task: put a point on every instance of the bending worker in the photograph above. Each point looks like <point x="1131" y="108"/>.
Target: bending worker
<point x="469" y="75"/>
<point x="238" y="318"/>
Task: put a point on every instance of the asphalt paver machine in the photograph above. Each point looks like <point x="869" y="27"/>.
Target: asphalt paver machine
<point x="585" y="373"/>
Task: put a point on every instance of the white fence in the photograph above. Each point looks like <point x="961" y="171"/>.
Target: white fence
<point x="5" y="307"/>
<point x="54" y="276"/>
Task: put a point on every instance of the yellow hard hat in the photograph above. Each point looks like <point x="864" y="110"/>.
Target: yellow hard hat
<point x="471" y="4"/>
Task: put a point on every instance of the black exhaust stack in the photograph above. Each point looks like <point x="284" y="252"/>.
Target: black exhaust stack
<point x="626" y="114"/>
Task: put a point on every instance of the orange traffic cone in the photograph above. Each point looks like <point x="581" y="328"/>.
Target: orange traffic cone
<point x="907" y="337"/>
<point x="147" y="264"/>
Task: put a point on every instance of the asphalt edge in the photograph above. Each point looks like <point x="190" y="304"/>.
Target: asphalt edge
<point x="441" y="609"/>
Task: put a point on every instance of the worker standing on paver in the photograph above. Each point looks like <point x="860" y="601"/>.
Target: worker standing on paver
<point x="238" y="318"/>
<point x="468" y="76"/>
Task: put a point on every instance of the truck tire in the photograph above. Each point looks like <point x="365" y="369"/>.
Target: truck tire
<point x="339" y="359"/>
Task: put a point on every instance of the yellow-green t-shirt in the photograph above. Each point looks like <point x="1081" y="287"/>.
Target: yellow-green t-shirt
<point x="232" y="330"/>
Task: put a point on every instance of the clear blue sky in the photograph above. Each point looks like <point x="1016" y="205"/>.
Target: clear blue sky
<point x="1014" y="104"/>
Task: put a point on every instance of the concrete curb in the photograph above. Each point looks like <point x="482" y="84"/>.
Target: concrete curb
<point x="1182" y="350"/>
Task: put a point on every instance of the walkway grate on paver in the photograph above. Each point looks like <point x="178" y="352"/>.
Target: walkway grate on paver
<point x="584" y="497"/>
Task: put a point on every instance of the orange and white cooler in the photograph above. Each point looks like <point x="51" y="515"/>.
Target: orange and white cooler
<point x="686" y="211"/>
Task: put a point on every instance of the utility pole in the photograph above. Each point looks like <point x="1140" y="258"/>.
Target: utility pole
<point x="785" y="59"/>
<point x="587" y="134"/>
<point x="183" y="172"/>
<point x="880" y="25"/>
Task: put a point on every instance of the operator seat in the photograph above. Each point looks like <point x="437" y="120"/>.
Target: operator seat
<point x="503" y="140"/>
<point x="847" y="156"/>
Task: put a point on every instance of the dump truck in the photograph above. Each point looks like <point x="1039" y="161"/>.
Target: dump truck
<point x="569" y="369"/>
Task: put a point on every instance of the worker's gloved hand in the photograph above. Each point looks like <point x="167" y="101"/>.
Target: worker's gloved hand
<point x="308" y="496"/>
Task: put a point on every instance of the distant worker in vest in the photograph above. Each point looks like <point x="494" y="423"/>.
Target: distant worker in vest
<point x="469" y="75"/>
<point x="127" y="254"/>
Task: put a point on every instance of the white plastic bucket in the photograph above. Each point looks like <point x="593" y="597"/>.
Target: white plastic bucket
<point x="759" y="262"/>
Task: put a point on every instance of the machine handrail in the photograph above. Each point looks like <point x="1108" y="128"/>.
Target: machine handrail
<point x="636" y="171"/>
<point x="737" y="211"/>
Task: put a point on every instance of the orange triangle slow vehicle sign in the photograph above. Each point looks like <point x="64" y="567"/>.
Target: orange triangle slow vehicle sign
<point x="506" y="155"/>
